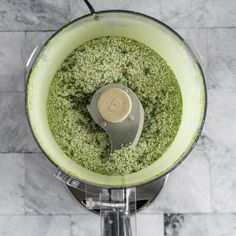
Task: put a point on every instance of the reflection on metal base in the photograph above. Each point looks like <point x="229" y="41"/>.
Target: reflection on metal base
<point x="145" y="194"/>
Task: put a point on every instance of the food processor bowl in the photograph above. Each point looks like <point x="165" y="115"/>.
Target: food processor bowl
<point x="149" y="31"/>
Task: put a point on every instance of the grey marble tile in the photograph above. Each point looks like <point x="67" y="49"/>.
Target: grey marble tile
<point x="220" y="13"/>
<point x="78" y="9"/>
<point x="199" y="13"/>
<point x="85" y="225"/>
<point x="221" y="115"/>
<point x="187" y="188"/>
<point x="219" y="143"/>
<point x="197" y="40"/>
<point x="44" y="193"/>
<point x="89" y="225"/>
<point x="222" y="60"/>
<point x="184" y="13"/>
<point x="149" y="7"/>
<point x="200" y="224"/>
<point x="12" y="181"/>
<point x="35" y="225"/>
<point x="33" y="15"/>
<point x="12" y="61"/>
<point x="223" y="169"/>
<point x="15" y="135"/>
<point x="150" y="224"/>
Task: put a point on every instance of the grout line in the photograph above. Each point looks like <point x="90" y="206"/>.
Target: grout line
<point x="2" y="215"/>
<point x="25" y="185"/>
<point x="207" y="55"/>
<point x="41" y="215"/>
<point x="70" y="225"/>
<point x="161" y="14"/>
<point x="220" y="88"/>
<point x="197" y="214"/>
<point x="89" y="213"/>
<point x="203" y="27"/>
<point x="211" y="190"/>
<point x="172" y="26"/>
<point x="20" y="92"/>
<point x="25" y="60"/>
<point x="21" y="152"/>
<point x="164" y="227"/>
<point x="70" y="10"/>
<point x="30" y="31"/>
<point x="38" y="31"/>
<point x="51" y="214"/>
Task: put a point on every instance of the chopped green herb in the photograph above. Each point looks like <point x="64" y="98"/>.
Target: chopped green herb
<point x="103" y="61"/>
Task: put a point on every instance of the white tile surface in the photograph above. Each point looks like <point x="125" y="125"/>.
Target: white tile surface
<point x="201" y="225"/>
<point x="150" y="224"/>
<point x="12" y="61"/>
<point x="149" y="7"/>
<point x="85" y="225"/>
<point x="220" y="13"/>
<point x="187" y="188"/>
<point x="12" y="181"/>
<point x="44" y="193"/>
<point x="221" y="115"/>
<point x="220" y="148"/>
<point x="15" y="135"/>
<point x="184" y="13"/>
<point x="199" y="13"/>
<point x="222" y="60"/>
<point x="89" y="225"/>
<point x="223" y="168"/>
<point x="35" y="225"/>
<point x="33" y="15"/>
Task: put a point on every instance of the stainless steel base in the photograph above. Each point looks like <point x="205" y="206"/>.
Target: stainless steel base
<point x="145" y="194"/>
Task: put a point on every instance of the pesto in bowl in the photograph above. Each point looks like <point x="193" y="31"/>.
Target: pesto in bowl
<point x="103" y="61"/>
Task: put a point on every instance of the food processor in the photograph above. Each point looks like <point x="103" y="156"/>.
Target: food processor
<point x="116" y="198"/>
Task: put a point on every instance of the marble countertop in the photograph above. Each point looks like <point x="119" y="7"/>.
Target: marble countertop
<point x="199" y="198"/>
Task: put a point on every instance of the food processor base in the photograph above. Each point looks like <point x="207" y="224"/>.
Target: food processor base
<point x="145" y="195"/>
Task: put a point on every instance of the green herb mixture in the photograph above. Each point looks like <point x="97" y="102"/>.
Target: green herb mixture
<point x="113" y="60"/>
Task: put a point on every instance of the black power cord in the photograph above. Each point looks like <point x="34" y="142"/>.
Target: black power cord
<point x="90" y="7"/>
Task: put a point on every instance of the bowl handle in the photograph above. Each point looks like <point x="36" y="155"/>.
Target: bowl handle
<point x="115" y="207"/>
